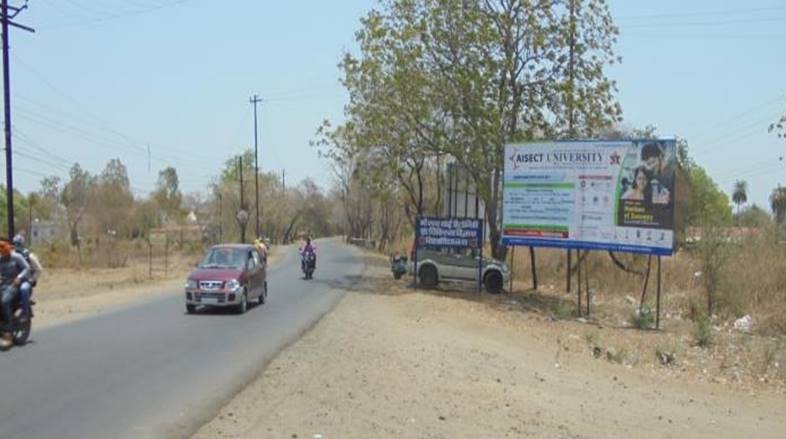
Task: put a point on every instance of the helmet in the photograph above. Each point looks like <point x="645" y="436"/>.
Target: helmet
<point x="18" y="241"/>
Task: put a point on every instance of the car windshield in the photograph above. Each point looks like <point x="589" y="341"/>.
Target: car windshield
<point x="224" y="258"/>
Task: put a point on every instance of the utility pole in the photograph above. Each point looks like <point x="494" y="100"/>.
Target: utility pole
<point x="31" y="201"/>
<point x="571" y="109"/>
<point x="242" y="215"/>
<point x="255" y="100"/>
<point x="220" y="218"/>
<point x="9" y="169"/>
<point x="284" y="180"/>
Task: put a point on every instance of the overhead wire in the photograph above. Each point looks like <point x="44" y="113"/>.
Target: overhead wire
<point x="113" y="16"/>
<point x="704" y="13"/>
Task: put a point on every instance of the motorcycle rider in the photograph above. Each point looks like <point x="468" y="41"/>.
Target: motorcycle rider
<point x="26" y="288"/>
<point x="308" y="248"/>
<point x="13" y="270"/>
<point x="259" y="243"/>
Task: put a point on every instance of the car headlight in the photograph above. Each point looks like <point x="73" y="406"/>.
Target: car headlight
<point x="232" y="285"/>
<point x="191" y="284"/>
<point x="505" y="268"/>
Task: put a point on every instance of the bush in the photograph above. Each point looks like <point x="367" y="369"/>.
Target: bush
<point x="666" y="354"/>
<point x="564" y="310"/>
<point x="643" y="318"/>
<point x="703" y="332"/>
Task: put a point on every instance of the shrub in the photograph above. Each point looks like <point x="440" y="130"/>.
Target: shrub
<point x="643" y="318"/>
<point x="703" y="332"/>
<point x="564" y="310"/>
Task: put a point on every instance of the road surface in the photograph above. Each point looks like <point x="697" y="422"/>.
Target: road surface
<point x="154" y="371"/>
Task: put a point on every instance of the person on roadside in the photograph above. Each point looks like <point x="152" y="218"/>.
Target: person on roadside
<point x="13" y="270"/>
<point x="26" y="288"/>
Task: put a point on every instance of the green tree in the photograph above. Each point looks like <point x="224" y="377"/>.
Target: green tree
<point x="48" y="198"/>
<point x="707" y="204"/>
<point x="740" y="194"/>
<point x="754" y="216"/>
<point x="586" y="45"/>
<point x="21" y="207"/>
<point x="114" y="200"/>
<point x="167" y="195"/>
<point x="460" y="79"/>
<point x="76" y="196"/>
<point x="778" y="203"/>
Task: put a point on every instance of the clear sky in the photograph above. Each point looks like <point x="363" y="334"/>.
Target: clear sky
<point x="104" y="79"/>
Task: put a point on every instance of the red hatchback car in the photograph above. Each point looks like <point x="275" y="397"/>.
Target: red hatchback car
<point x="230" y="275"/>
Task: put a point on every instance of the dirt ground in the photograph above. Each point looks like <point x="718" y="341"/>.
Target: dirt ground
<point x="65" y="295"/>
<point x="390" y="361"/>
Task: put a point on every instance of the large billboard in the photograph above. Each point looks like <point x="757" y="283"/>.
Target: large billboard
<point x="595" y="195"/>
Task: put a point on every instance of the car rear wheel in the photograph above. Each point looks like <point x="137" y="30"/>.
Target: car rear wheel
<point x="493" y="282"/>
<point x="190" y="308"/>
<point x="428" y="276"/>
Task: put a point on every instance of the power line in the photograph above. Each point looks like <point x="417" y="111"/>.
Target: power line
<point x="758" y="126"/>
<point x="704" y="13"/>
<point x="25" y="138"/>
<point x="755" y="109"/>
<point x="106" y="143"/>
<point x="705" y="23"/>
<point x="708" y="36"/>
<point x="114" y="16"/>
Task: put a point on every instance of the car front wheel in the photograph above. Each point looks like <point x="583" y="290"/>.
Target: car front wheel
<point x="190" y="308"/>
<point x="243" y="306"/>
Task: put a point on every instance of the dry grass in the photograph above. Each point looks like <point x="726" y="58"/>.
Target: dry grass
<point x="749" y="362"/>
<point x="752" y="281"/>
<point x="111" y="254"/>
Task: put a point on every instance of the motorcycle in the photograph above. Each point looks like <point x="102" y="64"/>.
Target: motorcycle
<point x="19" y="331"/>
<point x="398" y="266"/>
<point x="309" y="264"/>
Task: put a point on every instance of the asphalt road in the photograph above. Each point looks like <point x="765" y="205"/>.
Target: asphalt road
<point x="154" y="371"/>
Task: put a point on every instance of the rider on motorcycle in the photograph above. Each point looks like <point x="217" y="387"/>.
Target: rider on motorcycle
<point x="13" y="270"/>
<point x="26" y="287"/>
<point x="308" y="249"/>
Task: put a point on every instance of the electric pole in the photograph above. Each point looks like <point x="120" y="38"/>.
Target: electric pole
<point x="255" y="100"/>
<point x="220" y="218"/>
<point x="9" y="169"/>
<point x="242" y="214"/>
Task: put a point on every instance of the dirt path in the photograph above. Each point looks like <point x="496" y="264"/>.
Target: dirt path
<point x="389" y="362"/>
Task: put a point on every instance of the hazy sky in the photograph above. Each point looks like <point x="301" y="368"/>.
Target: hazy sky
<point x="106" y="78"/>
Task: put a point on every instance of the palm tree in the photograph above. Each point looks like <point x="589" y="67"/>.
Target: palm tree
<point x="740" y="194"/>
<point x="778" y="203"/>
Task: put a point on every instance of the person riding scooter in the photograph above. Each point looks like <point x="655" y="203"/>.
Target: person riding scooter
<point x="13" y="270"/>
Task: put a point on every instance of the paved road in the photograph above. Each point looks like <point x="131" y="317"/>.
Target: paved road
<point x="154" y="371"/>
